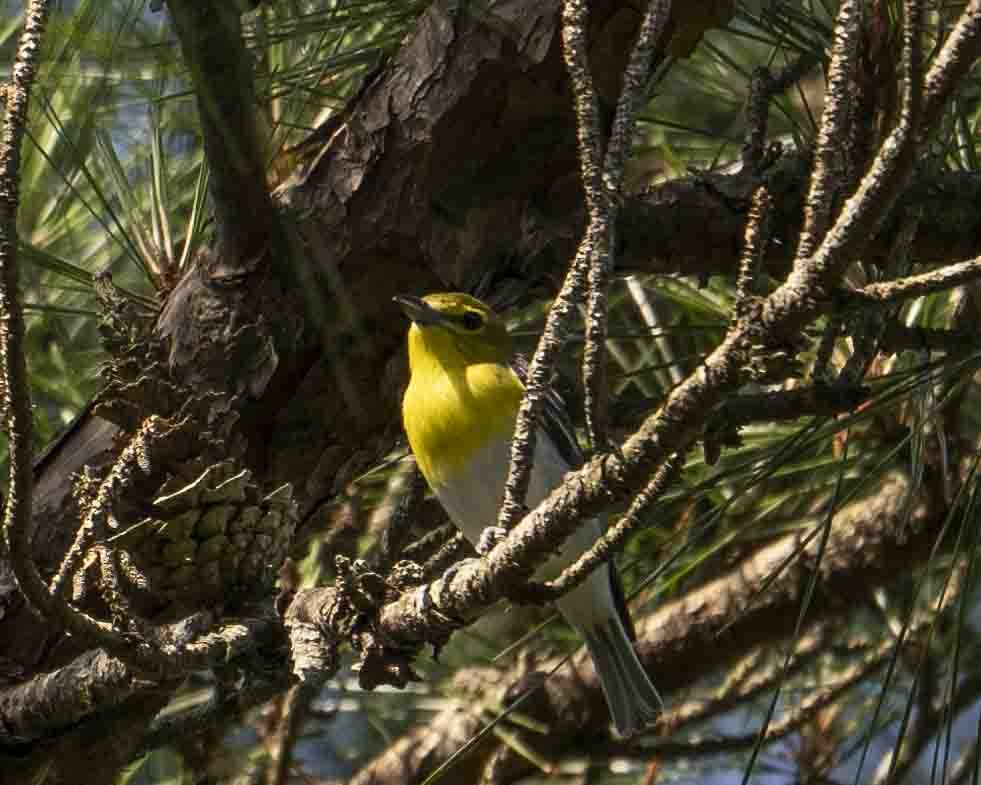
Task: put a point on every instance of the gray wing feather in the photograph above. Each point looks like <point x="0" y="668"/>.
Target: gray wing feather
<point x="554" y="419"/>
<point x="557" y="424"/>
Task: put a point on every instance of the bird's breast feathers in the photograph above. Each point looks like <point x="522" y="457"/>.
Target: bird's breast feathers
<point x="450" y="417"/>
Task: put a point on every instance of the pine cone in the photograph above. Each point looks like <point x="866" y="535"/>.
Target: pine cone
<point x="217" y="538"/>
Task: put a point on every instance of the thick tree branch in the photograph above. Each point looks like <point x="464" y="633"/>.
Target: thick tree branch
<point x="695" y="225"/>
<point x="210" y="33"/>
<point x="95" y="682"/>
<point x="59" y="699"/>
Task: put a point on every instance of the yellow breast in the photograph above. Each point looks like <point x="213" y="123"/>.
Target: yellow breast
<point x="451" y="413"/>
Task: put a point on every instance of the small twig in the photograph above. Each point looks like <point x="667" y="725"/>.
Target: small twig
<point x="888" y="292"/>
<point x="430" y="542"/>
<point x="556" y="323"/>
<point x="590" y="144"/>
<point x="539" y="370"/>
<point x="754" y="248"/>
<point x="446" y="555"/>
<point x="95" y="525"/>
<point x="960" y="50"/>
<point x="292" y="715"/>
<point x="536" y="383"/>
<point x="763" y="86"/>
<point x="603" y="203"/>
<point x="806" y="710"/>
<point x="15" y="388"/>
<point x="634" y="87"/>
<point x="911" y="64"/>
<point x="834" y="121"/>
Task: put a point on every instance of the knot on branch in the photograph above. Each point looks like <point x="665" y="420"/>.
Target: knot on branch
<point x="381" y="660"/>
<point x="321" y="620"/>
<point x="406" y="575"/>
<point x="367" y="590"/>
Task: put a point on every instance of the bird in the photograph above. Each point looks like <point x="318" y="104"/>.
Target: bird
<point x="459" y="412"/>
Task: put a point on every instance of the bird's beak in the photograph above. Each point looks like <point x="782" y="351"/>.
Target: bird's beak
<point x="417" y="309"/>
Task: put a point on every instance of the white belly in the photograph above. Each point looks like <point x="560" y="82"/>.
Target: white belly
<point x="473" y="501"/>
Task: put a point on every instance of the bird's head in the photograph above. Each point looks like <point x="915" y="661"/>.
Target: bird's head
<point x="451" y="329"/>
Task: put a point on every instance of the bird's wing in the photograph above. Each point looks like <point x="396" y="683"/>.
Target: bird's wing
<point x="554" y="419"/>
<point x="557" y="424"/>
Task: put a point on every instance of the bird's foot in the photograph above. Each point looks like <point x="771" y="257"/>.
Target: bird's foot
<point x="490" y="537"/>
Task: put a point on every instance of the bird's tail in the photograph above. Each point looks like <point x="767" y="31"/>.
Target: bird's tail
<point x="634" y="702"/>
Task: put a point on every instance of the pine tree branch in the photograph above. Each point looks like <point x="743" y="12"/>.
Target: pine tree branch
<point x="677" y="426"/>
<point x="50" y="704"/>
<point x="210" y="34"/>
<point x="695" y="225"/>
<point x="834" y="121"/>
<point x="941" y="279"/>
<point x="601" y="178"/>
<point x="872" y="543"/>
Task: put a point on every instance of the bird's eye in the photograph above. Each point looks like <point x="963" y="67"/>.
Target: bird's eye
<point x="471" y="320"/>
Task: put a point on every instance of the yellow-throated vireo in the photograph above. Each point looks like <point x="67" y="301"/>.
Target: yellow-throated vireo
<point x="459" y="413"/>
